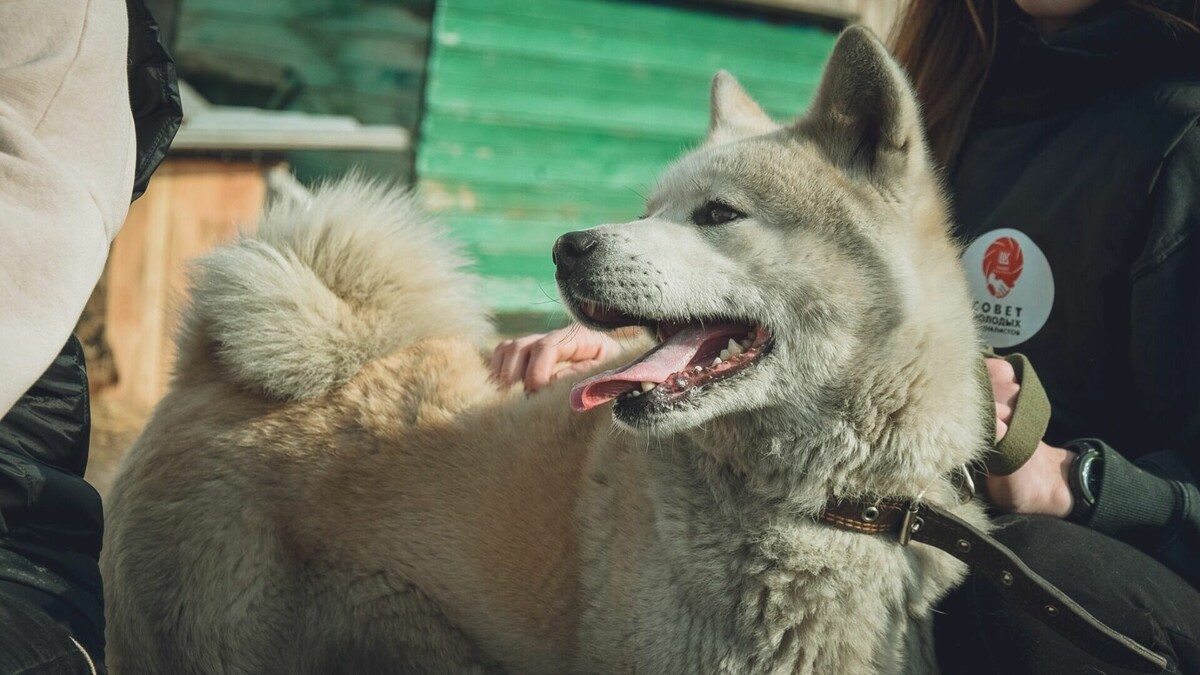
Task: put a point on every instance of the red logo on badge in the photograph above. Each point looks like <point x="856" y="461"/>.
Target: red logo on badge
<point x="1002" y="265"/>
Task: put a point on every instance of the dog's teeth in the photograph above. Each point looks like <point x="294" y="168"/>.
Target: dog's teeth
<point x="648" y="386"/>
<point x="746" y="344"/>
<point x="724" y="354"/>
<point x="734" y="348"/>
<point x="717" y="361"/>
<point x="698" y="369"/>
<point x="635" y="393"/>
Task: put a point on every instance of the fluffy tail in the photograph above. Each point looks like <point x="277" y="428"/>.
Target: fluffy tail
<point x="326" y="285"/>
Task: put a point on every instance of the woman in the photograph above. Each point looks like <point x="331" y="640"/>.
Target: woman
<point x="1068" y="133"/>
<point x="1076" y="184"/>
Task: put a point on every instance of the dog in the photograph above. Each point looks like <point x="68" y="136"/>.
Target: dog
<point x="333" y="485"/>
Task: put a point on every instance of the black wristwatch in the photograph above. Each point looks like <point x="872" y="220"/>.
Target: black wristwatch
<point x="1084" y="478"/>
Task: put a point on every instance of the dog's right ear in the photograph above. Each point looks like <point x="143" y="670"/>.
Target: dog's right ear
<point x="865" y="117"/>
<point x="734" y="114"/>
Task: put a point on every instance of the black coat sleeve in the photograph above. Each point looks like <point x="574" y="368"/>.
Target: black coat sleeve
<point x="1154" y="503"/>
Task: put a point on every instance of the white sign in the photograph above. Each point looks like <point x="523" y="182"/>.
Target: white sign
<point x="1011" y="284"/>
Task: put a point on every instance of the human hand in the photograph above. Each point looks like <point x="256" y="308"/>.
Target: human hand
<point x="997" y="286"/>
<point x="1040" y="485"/>
<point x="1005" y="389"/>
<point x="538" y="359"/>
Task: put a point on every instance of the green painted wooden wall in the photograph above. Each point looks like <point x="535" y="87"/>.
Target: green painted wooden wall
<point x="545" y="116"/>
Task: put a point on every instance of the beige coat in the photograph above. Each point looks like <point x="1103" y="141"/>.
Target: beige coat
<point x="67" y="151"/>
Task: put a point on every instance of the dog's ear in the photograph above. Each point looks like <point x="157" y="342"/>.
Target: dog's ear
<point x="865" y="117"/>
<point x="734" y="114"/>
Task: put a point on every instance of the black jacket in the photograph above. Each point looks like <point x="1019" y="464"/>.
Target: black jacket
<point x="52" y="525"/>
<point x="1085" y="142"/>
<point x="51" y="520"/>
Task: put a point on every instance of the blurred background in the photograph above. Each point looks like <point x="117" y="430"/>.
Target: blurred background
<point x="515" y="120"/>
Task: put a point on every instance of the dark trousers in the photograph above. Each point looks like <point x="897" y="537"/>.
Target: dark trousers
<point x="34" y="639"/>
<point x="977" y="632"/>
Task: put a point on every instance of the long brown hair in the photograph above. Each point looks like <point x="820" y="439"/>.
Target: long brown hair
<point x="947" y="47"/>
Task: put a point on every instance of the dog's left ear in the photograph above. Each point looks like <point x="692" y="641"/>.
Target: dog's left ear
<point x="734" y="114"/>
<point x="865" y="116"/>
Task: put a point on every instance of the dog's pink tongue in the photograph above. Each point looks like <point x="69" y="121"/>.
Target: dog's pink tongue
<point x="655" y="366"/>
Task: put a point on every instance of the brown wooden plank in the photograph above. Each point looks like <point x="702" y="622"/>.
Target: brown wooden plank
<point x="191" y="206"/>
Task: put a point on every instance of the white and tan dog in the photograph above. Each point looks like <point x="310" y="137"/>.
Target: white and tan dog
<point x="333" y="485"/>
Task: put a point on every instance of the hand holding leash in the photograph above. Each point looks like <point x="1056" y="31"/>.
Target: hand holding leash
<point x="1040" y="485"/>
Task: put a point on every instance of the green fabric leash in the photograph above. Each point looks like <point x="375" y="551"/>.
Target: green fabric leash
<point x="1031" y="416"/>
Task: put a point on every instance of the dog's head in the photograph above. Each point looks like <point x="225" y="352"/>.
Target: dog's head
<point x="767" y="256"/>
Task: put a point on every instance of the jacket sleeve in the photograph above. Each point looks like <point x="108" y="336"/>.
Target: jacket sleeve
<point x="67" y="151"/>
<point x="1154" y="502"/>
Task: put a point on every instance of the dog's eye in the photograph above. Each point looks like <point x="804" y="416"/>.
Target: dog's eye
<point x="716" y="213"/>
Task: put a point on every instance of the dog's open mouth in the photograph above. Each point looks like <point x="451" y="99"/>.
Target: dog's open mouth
<point x="690" y="355"/>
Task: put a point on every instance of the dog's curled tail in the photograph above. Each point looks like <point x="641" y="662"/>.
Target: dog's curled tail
<point x="325" y="285"/>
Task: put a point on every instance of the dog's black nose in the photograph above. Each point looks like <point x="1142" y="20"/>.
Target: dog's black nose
<point x="571" y="247"/>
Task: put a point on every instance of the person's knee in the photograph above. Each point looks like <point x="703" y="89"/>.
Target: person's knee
<point x="1021" y="532"/>
<point x="1045" y="543"/>
<point x="1118" y="585"/>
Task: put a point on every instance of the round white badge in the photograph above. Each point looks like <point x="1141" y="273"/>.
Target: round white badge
<point x="1011" y="284"/>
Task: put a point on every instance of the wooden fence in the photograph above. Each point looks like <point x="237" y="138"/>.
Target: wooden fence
<point x="191" y="206"/>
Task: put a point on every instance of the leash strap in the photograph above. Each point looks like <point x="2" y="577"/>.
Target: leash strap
<point x="916" y="521"/>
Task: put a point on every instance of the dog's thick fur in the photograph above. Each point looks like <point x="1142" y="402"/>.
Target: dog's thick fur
<point x="333" y="485"/>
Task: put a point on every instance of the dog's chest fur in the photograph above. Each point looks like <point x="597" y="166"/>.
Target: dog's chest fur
<point x="681" y="577"/>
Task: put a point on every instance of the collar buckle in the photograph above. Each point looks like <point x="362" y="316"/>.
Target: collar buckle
<point x="912" y="522"/>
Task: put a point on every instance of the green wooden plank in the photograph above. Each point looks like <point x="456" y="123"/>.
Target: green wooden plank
<point x="451" y="192"/>
<point x="505" y="263"/>
<point x="484" y="139"/>
<point x="378" y="51"/>
<point x="409" y="25"/>
<point x="496" y="236"/>
<point x="260" y="37"/>
<point x="571" y="207"/>
<point x="273" y="9"/>
<point x="649" y="117"/>
<point x="402" y="107"/>
<point x="463" y="72"/>
<point x="608" y="17"/>
<point x="468" y="131"/>
<point x="334" y="10"/>
<point x="644" y="151"/>
<point x="461" y="134"/>
<point x="455" y="31"/>
<point x="583" y="170"/>
<point x="520" y="321"/>
<point x="525" y="295"/>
